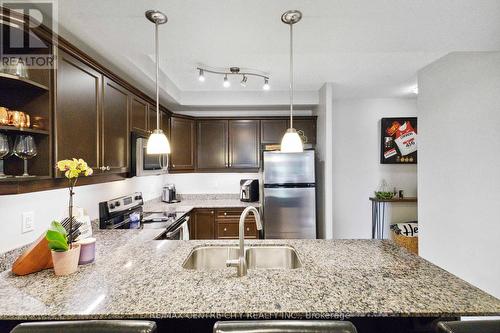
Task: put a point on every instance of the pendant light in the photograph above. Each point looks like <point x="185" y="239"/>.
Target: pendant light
<point x="291" y="142"/>
<point x="158" y="141"/>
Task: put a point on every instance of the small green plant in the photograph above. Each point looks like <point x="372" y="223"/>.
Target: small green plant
<point x="57" y="237"/>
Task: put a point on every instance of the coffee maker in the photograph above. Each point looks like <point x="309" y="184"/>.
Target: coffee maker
<point x="249" y="190"/>
<point x="168" y="194"/>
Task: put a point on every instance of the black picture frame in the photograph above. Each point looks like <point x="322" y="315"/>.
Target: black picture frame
<point x="398" y="140"/>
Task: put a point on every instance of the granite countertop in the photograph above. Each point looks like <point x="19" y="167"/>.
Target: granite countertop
<point x="190" y="201"/>
<point x="137" y="277"/>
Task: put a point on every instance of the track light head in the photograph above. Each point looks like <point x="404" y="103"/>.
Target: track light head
<point x="244" y="81"/>
<point x="201" y="76"/>
<point x="266" y="84"/>
<point x="226" y="82"/>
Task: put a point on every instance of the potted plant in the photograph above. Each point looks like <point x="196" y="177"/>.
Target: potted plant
<point x="64" y="254"/>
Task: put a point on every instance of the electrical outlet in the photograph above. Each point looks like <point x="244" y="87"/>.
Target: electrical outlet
<point x="28" y="222"/>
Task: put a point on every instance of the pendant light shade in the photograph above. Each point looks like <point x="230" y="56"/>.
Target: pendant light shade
<point x="157" y="141"/>
<point x="291" y="142"/>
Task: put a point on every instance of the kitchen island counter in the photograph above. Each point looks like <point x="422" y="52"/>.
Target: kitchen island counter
<point x="135" y="276"/>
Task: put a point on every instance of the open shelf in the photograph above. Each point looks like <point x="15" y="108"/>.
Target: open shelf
<point x="9" y="81"/>
<point x="23" y="130"/>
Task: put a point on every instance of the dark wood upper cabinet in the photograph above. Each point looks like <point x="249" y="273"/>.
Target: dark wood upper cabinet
<point x="244" y="143"/>
<point x="182" y="143"/>
<point x="212" y="138"/>
<point x="78" y="104"/>
<point x="152" y="118"/>
<point x="308" y="127"/>
<point x="115" y="129"/>
<point x="139" y="113"/>
<point x="272" y="130"/>
<point x="165" y="123"/>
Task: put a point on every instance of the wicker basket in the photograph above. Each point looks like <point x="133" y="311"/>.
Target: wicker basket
<point x="410" y="243"/>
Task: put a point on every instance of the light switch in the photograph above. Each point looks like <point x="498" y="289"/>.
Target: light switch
<point x="28" y="222"/>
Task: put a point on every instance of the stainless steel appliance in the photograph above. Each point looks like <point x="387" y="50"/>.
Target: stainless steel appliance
<point x="289" y="195"/>
<point x="249" y="190"/>
<point x="144" y="164"/>
<point x="168" y="194"/>
<point x="127" y="213"/>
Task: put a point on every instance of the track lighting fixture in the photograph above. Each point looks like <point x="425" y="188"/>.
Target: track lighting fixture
<point x="233" y="71"/>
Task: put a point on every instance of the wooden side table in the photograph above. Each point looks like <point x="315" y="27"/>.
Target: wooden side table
<point x="378" y="214"/>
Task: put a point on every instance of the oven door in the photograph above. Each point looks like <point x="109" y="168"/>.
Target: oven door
<point x="181" y="232"/>
<point x="145" y="164"/>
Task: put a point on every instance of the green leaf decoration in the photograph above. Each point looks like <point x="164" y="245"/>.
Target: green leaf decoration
<point x="57" y="237"/>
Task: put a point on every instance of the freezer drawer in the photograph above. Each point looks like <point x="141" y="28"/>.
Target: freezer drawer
<point x="290" y="213"/>
<point x="287" y="168"/>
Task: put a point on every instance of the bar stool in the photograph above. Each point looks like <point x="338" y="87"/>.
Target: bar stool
<point x="285" y="326"/>
<point x="87" y="326"/>
<point x="472" y="326"/>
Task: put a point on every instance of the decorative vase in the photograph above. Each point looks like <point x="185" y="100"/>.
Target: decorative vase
<point x="66" y="263"/>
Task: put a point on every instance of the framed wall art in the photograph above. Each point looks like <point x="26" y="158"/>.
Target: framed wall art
<point x="398" y="143"/>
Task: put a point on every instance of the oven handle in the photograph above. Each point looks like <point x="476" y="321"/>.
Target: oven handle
<point x="179" y="228"/>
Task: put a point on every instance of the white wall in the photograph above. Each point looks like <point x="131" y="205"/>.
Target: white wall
<point x="202" y="183"/>
<point x="459" y="166"/>
<point x="324" y="150"/>
<point x="357" y="171"/>
<point x="50" y="205"/>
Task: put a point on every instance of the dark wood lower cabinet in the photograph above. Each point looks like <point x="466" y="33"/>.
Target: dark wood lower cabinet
<point x="203" y="222"/>
<point x="220" y="223"/>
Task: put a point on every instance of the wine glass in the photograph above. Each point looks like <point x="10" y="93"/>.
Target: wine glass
<point x="4" y="151"/>
<point x="25" y="148"/>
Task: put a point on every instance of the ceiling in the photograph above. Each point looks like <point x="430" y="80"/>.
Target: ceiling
<point x="366" y="48"/>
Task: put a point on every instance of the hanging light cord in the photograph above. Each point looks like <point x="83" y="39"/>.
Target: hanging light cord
<point x="157" y="51"/>
<point x="291" y="75"/>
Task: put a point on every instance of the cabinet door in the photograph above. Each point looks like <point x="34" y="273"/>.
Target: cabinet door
<point x="244" y="143"/>
<point x="139" y="114"/>
<point x="308" y="127"/>
<point x="152" y="118"/>
<point x="204" y="223"/>
<point x="165" y="123"/>
<point x="212" y="144"/>
<point x="114" y="128"/>
<point x="272" y="130"/>
<point x="78" y="103"/>
<point x="182" y="143"/>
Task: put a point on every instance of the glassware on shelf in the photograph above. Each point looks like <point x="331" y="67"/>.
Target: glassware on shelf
<point x="4" y="152"/>
<point x="25" y="148"/>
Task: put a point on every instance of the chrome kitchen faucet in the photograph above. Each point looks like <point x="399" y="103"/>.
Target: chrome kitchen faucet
<point x="241" y="262"/>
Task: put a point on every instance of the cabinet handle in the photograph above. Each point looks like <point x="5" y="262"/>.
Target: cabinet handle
<point x="108" y="168"/>
<point x="225" y="229"/>
<point x="173" y="165"/>
<point x="225" y="213"/>
<point x="248" y="229"/>
<point x="211" y="212"/>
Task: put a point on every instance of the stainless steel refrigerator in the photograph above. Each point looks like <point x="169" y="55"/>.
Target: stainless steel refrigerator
<point x="289" y="195"/>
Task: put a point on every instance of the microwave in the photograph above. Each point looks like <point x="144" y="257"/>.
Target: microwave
<point x="144" y="164"/>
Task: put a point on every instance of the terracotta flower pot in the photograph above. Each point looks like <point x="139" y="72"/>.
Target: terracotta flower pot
<point x="66" y="263"/>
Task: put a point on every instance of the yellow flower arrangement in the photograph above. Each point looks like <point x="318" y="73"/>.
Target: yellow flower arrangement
<point x="72" y="170"/>
<point x="74" y="167"/>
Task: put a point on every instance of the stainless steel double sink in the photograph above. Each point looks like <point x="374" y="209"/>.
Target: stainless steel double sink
<point x="208" y="258"/>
